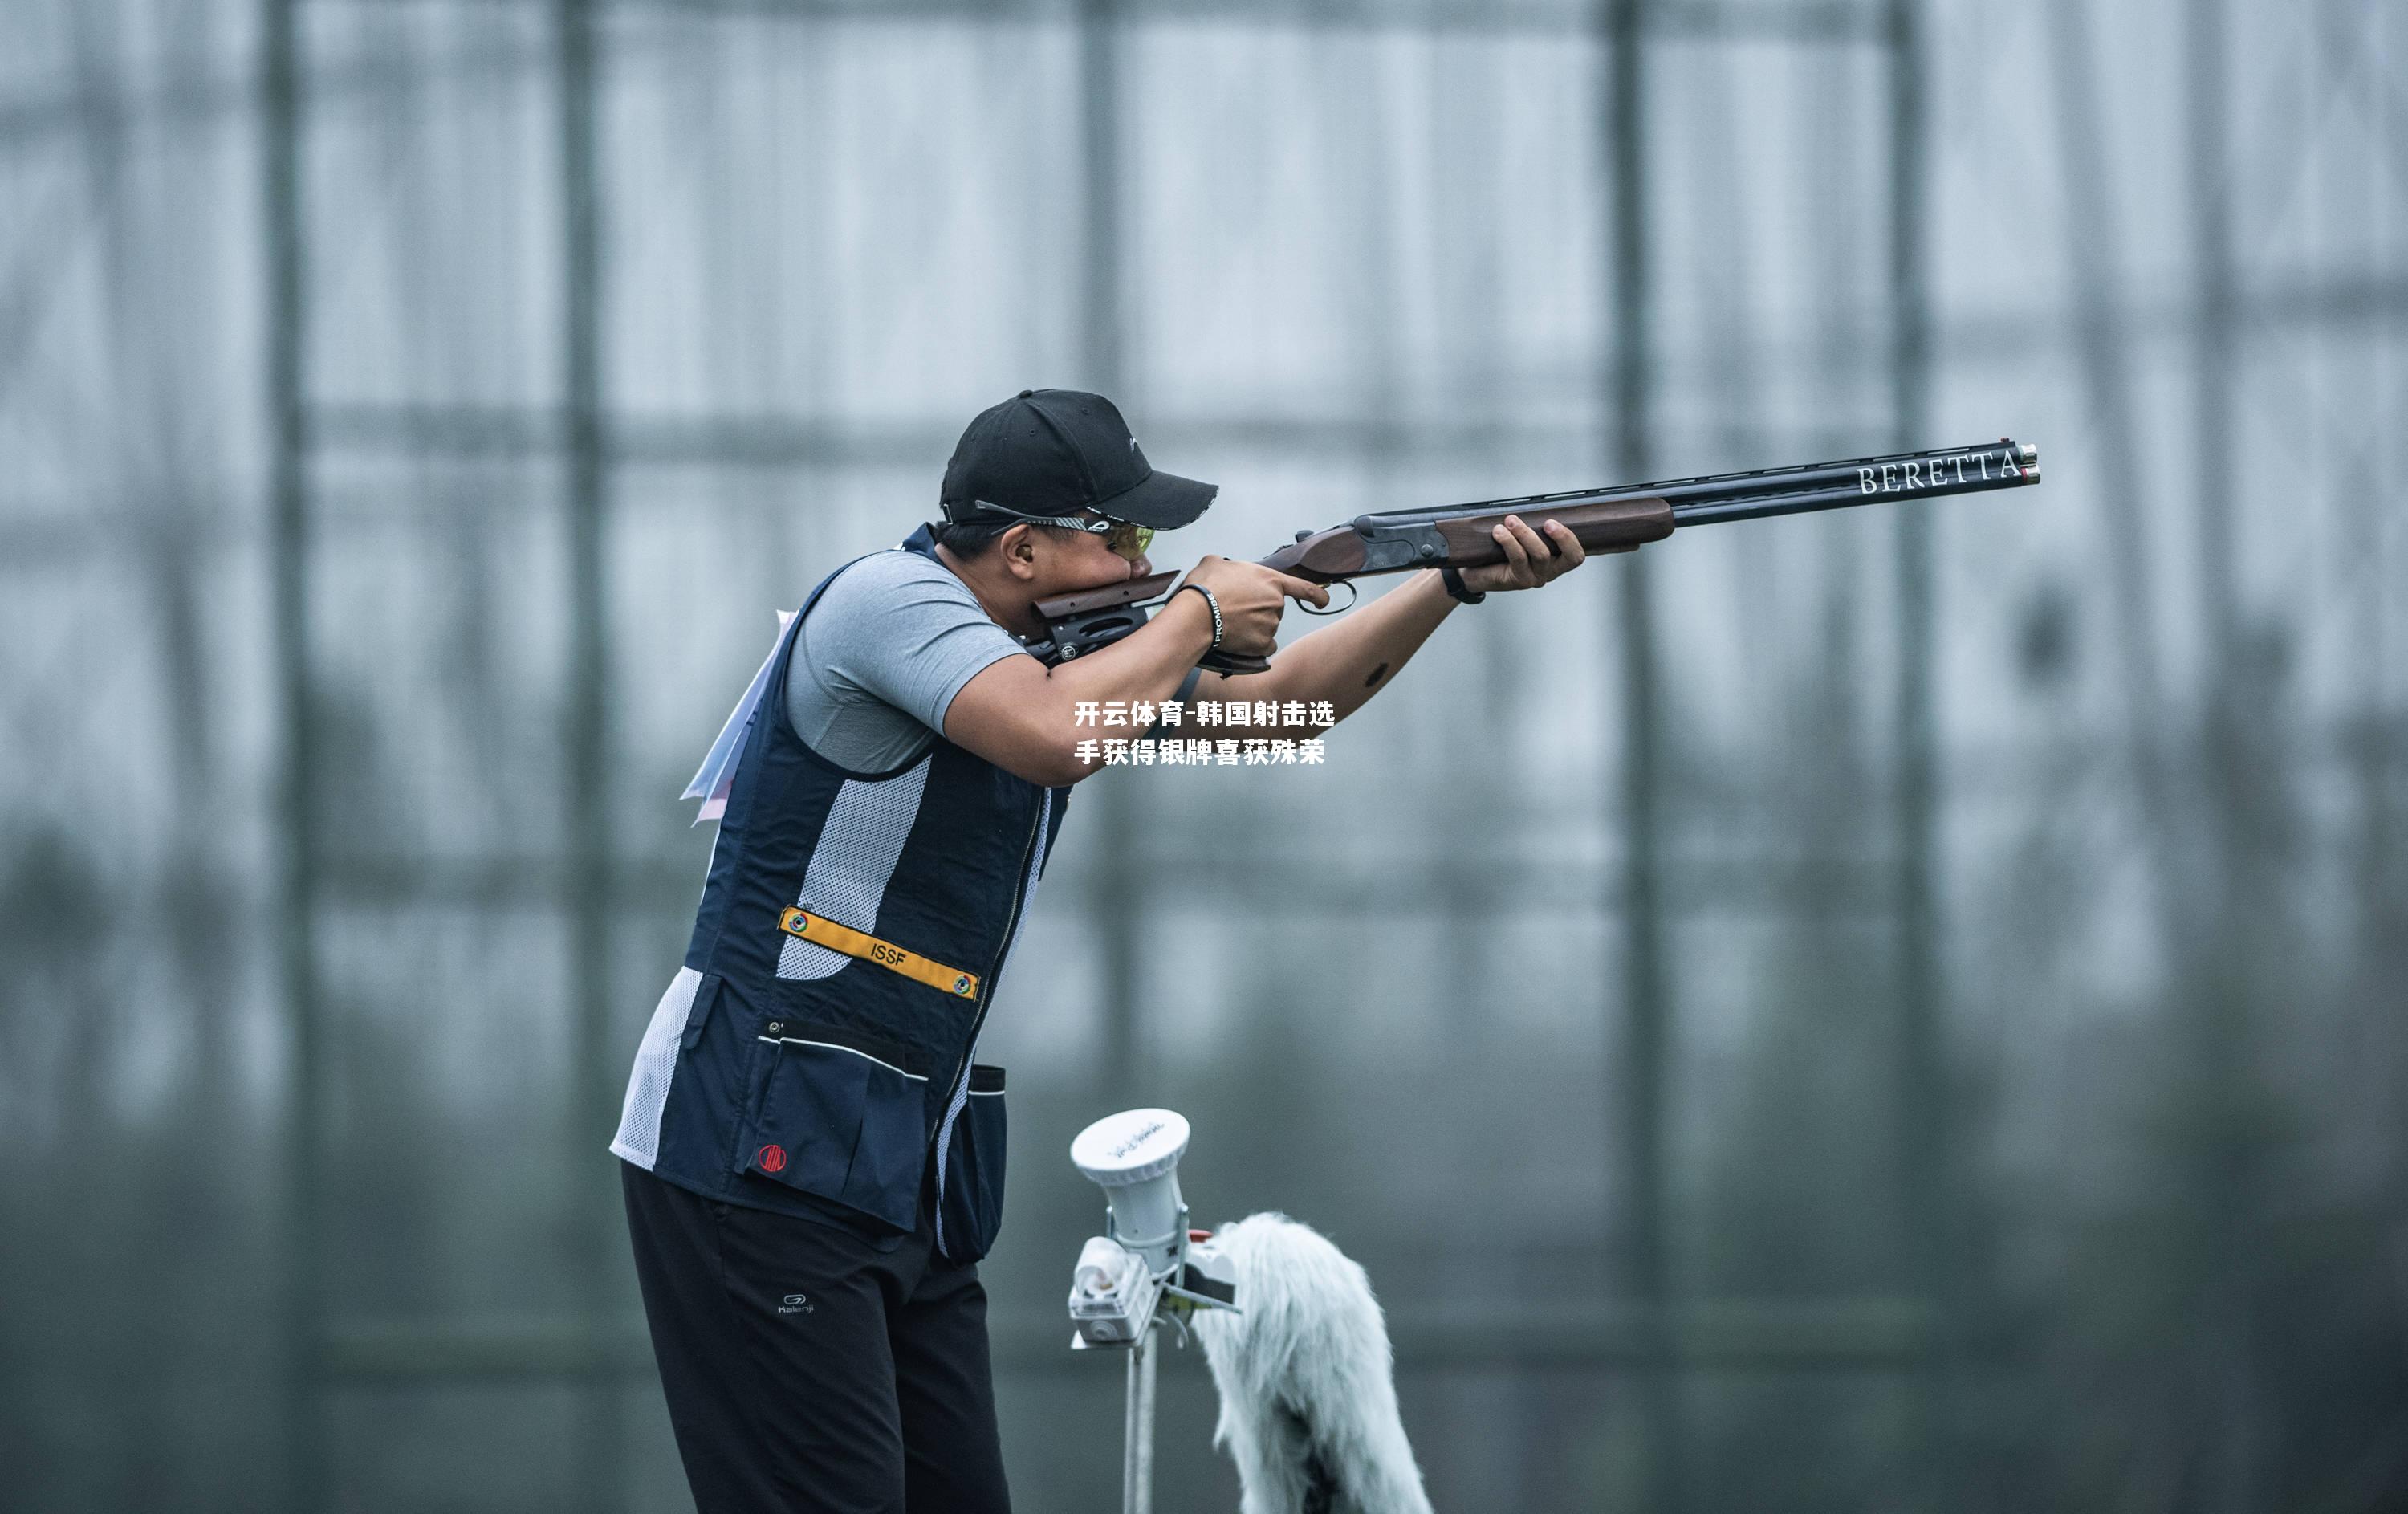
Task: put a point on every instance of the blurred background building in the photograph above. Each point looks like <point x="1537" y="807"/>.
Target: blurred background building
<point x="1898" y="1010"/>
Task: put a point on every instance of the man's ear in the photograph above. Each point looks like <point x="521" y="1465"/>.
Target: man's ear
<point x="1018" y="548"/>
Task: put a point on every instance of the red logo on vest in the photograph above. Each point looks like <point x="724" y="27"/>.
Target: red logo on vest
<point x="772" y="1159"/>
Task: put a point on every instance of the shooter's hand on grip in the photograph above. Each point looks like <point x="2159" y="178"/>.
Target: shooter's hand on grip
<point x="1252" y="598"/>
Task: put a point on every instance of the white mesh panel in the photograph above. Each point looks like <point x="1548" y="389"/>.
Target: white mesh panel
<point x="647" y="1087"/>
<point x="852" y="863"/>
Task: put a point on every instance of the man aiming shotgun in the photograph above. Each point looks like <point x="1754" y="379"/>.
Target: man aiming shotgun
<point x="812" y="1160"/>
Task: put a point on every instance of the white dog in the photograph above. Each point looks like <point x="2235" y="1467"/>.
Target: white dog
<point x="1308" y="1398"/>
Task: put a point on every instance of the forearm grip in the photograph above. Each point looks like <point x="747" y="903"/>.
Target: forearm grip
<point x="1612" y="525"/>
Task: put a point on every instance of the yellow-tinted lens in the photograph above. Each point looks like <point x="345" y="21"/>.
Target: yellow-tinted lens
<point x="1130" y="541"/>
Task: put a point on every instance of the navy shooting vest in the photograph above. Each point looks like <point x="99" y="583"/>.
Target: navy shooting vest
<point x="815" y="1050"/>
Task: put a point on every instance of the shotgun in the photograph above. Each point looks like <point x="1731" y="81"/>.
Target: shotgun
<point x="1619" y="519"/>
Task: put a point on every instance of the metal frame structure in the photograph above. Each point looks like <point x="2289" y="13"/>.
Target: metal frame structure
<point x="589" y="436"/>
<point x="1657" y="1350"/>
<point x="1664" y="1337"/>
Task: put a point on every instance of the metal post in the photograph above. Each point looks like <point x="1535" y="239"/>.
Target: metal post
<point x="586" y="880"/>
<point x="1645" y="997"/>
<point x="2210" y="110"/>
<point x="295" y="876"/>
<point x="1117" y="903"/>
<point x="2189" y="861"/>
<point x="2103" y="350"/>
<point x="2234" y="790"/>
<point x="1099" y="176"/>
<point x="1136" y="1429"/>
<point x="1922" y="1064"/>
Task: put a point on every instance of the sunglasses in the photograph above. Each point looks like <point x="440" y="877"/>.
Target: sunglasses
<point x="1126" y="538"/>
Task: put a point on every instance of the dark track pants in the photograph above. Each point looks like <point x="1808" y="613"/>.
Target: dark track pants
<point x="808" y="1371"/>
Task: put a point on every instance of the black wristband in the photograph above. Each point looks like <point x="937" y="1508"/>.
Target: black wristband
<point x="1452" y="578"/>
<point x="1213" y="604"/>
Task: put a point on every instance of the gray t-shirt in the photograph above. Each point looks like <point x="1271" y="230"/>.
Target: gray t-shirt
<point x="879" y="659"/>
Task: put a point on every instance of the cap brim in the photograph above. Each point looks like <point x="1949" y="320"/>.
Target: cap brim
<point x="1163" y="501"/>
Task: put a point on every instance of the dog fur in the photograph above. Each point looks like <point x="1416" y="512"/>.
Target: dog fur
<point x="1308" y="1391"/>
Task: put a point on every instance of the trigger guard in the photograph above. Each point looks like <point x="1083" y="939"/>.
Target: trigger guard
<point x="1353" y="596"/>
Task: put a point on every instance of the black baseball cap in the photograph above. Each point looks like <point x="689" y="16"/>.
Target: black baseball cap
<point x="1056" y="452"/>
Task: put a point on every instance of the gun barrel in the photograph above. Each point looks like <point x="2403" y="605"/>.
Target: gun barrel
<point x="1777" y="491"/>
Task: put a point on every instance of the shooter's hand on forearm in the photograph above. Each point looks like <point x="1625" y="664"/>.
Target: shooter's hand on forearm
<point x="1346" y="663"/>
<point x="1531" y="561"/>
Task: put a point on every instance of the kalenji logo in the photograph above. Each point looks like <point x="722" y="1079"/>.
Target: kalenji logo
<point x="772" y="1159"/>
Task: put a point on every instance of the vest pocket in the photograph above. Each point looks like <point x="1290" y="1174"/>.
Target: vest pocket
<point x="836" y="1118"/>
<point x="972" y="1206"/>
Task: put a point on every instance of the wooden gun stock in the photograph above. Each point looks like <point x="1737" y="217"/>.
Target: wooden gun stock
<point x="1110" y="597"/>
<point x="1093" y="618"/>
